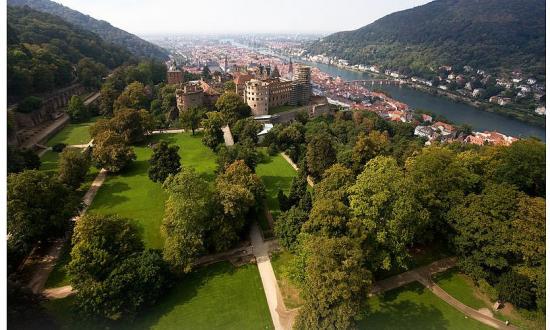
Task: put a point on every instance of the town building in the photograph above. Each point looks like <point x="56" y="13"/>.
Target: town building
<point x="174" y="76"/>
<point x="192" y="95"/>
<point x="267" y="90"/>
<point x="494" y="138"/>
<point x="196" y="94"/>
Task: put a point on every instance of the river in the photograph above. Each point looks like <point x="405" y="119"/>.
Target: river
<point x="458" y="113"/>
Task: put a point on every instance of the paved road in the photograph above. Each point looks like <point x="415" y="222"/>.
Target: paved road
<point x="412" y="275"/>
<point x="282" y="319"/>
<point x="289" y="160"/>
<point x="227" y="136"/>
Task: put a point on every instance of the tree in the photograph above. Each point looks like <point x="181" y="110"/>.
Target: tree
<point x="90" y="73"/>
<point x="367" y="147"/>
<point x="132" y="125"/>
<point x="246" y="129"/>
<point x="335" y="183"/>
<point x="213" y="134"/>
<point x="134" y="96"/>
<point x="164" y="162"/>
<point x="438" y="193"/>
<point x="482" y="226"/>
<point x="522" y="164"/>
<point x="77" y="110"/>
<point x="320" y="155"/>
<point x="288" y="226"/>
<point x="387" y="216"/>
<point x="237" y="191"/>
<point x="39" y="208"/>
<point x="232" y="107"/>
<point x="191" y="118"/>
<point x="108" y="95"/>
<point x="244" y="152"/>
<point x="329" y="218"/>
<point x="73" y="167"/>
<point x="111" y="152"/>
<point x="516" y="289"/>
<point x="229" y="86"/>
<point x="100" y="244"/>
<point x="21" y="159"/>
<point x="29" y="104"/>
<point x="187" y="212"/>
<point x="113" y="276"/>
<point x="335" y="284"/>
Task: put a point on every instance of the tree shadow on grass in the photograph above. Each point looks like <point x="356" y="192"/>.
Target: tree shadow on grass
<point x="185" y="289"/>
<point x="405" y="315"/>
<point x="111" y="194"/>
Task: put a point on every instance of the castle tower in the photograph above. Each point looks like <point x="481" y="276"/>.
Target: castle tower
<point x="290" y="70"/>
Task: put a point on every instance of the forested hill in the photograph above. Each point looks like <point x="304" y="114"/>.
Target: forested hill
<point x="494" y="35"/>
<point x="136" y="45"/>
<point x="45" y="52"/>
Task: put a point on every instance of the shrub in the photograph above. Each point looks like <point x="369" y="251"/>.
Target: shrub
<point x="29" y="104"/>
<point x="516" y="289"/>
<point x="58" y="147"/>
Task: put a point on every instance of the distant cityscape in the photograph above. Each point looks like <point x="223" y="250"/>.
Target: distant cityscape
<point x="270" y="80"/>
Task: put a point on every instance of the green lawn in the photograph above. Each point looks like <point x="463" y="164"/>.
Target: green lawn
<point x="73" y="133"/>
<point x="414" y="307"/>
<point x="218" y="296"/>
<point x="463" y="288"/>
<point x="291" y="294"/>
<point x="276" y="173"/>
<point x="133" y="195"/>
<point x="48" y="161"/>
<point x="460" y="287"/>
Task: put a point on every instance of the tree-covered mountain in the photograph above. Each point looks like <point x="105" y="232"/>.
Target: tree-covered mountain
<point x="45" y="52"/>
<point x="494" y="35"/>
<point x="136" y="45"/>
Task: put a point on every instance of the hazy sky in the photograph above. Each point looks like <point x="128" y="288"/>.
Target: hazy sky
<point x="162" y="16"/>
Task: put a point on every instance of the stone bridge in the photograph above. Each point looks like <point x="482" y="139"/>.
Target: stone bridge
<point x="372" y="82"/>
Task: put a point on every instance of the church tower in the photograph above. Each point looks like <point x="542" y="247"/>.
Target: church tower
<point x="290" y="70"/>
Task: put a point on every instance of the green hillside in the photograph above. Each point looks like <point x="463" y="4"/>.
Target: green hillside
<point x="494" y="35"/>
<point x="45" y="53"/>
<point x="136" y="45"/>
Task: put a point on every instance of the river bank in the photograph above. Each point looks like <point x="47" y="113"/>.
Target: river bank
<point x="433" y="101"/>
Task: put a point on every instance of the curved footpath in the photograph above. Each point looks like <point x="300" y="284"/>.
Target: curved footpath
<point x="423" y="276"/>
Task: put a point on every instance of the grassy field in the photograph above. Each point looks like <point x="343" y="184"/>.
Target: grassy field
<point x="276" y="174"/>
<point x="73" y="133"/>
<point x="218" y="296"/>
<point x="414" y="307"/>
<point x="460" y="287"/>
<point x="463" y="288"/>
<point x="291" y="294"/>
<point x="48" y="161"/>
<point x="133" y="195"/>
